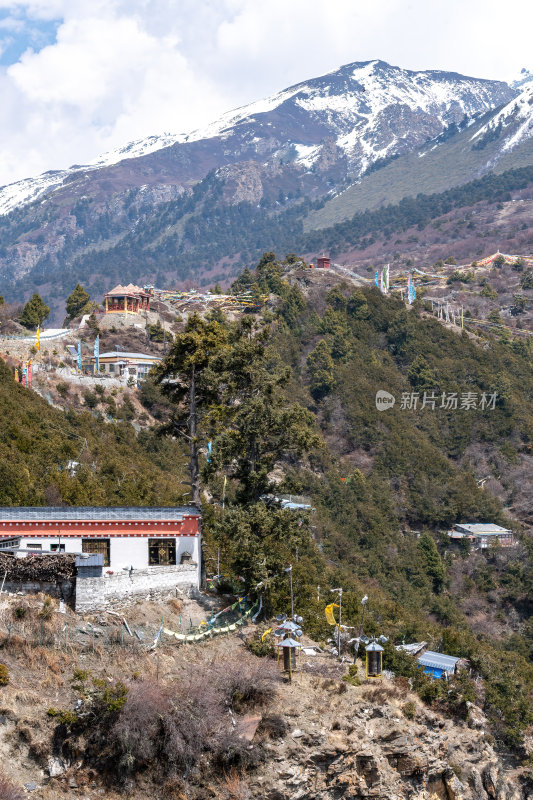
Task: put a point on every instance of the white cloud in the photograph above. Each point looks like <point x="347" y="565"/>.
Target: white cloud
<point x="123" y="69"/>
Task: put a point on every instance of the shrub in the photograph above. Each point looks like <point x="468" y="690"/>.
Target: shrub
<point x="19" y="612"/>
<point x="409" y="710"/>
<point x="68" y="718"/>
<point x="91" y="399"/>
<point x="48" y="608"/>
<point x="260" y="648"/>
<point x="273" y="726"/>
<point x="4" y="675"/>
<point x="175" y="726"/>
<point x="352" y="677"/>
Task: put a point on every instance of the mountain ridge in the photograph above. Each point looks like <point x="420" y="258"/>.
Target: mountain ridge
<point x="368" y="78"/>
<point x="202" y="206"/>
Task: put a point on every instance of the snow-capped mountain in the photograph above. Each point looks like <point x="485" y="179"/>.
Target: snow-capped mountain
<point x="172" y="207"/>
<point x="364" y="111"/>
<point x="526" y="76"/>
<point x="511" y="126"/>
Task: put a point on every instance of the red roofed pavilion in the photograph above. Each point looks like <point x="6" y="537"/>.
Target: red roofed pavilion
<point x="126" y="299"/>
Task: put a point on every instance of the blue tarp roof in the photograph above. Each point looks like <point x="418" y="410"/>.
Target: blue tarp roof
<point x="438" y="661"/>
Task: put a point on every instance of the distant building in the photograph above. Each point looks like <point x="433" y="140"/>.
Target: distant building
<point x="126" y="300"/>
<point x="482" y="534"/>
<point x="118" y="364"/>
<point x="438" y="665"/>
<point x="324" y="262"/>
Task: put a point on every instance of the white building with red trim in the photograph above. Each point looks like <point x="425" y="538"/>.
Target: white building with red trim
<point x="128" y="537"/>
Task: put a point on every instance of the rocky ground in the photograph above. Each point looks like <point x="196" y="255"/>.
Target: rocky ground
<point x="358" y="742"/>
<point x="318" y="737"/>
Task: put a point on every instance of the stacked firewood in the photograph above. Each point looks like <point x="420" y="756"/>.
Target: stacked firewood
<point x="50" y="568"/>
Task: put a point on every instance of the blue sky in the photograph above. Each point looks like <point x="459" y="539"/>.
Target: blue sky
<point x="81" y="77"/>
<point x="19" y="32"/>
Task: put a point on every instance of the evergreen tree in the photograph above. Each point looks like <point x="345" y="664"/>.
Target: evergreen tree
<point x="320" y="365"/>
<point x="433" y="562"/>
<point x="77" y="302"/>
<point x="256" y="427"/>
<point x="34" y="312"/>
<point x="186" y="377"/>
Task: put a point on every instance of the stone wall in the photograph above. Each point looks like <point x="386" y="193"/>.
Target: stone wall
<point x="153" y="583"/>
<point x="64" y="590"/>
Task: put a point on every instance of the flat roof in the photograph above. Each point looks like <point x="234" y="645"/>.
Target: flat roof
<point x="69" y="513"/>
<point x="482" y="527"/>
<point x="120" y="354"/>
<point x="438" y="660"/>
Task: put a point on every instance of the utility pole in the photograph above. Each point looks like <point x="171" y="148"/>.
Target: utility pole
<point x="356" y="648"/>
<point x="289" y="570"/>
<point x="339" y="592"/>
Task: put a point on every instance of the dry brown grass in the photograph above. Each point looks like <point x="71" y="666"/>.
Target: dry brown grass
<point x="233" y="787"/>
<point x="382" y="693"/>
<point x="175" y="604"/>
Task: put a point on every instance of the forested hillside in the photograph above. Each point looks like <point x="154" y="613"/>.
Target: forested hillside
<point x="287" y="400"/>
<point x="49" y="457"/>
<point x="386" y="486"/>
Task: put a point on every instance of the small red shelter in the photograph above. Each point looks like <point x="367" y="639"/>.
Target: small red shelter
<point x="324" y="262"/>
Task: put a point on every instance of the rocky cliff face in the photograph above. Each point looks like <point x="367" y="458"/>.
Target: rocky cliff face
<point x="358" y="743"/>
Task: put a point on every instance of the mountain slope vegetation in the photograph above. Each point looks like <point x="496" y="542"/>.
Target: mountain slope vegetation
<point x="386" y="486"/>
<point x="51" y="457"/>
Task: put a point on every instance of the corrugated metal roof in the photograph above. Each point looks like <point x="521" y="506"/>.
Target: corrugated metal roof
<point x="70" y="513"/>
<point x="482" y="527"/>
<point x="438" y="661"/>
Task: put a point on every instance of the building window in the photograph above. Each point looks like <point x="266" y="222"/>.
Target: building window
<point x="57" y="548"/>
<point x="97" y="546"/>
<point x="111" y="367"/>
<point x="34" y="546"/>
<point x="161" y="552"/>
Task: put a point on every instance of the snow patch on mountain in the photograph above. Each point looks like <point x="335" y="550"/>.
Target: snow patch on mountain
<point x="30" y="189"/>
<point x="526" y="76"/>
<point x="514" y="121"/>
<point x="371" y="110"/>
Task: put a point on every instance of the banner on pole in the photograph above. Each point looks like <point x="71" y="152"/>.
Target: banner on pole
<point x="329" y="613"/>
<point x="96" y="351"/>
<point x="79" y="354"/>
<point x="38" y="340"/>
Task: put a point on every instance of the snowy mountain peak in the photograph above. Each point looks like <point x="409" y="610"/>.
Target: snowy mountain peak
<point x="365" y="111"/>
<point x="526" y="76"/>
